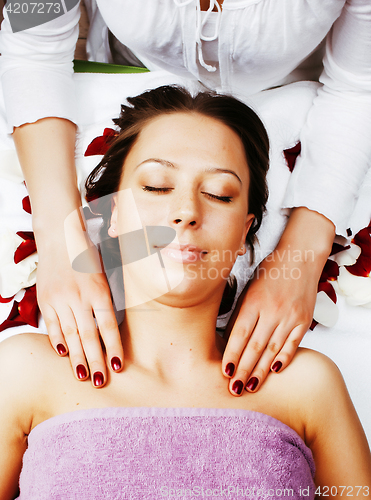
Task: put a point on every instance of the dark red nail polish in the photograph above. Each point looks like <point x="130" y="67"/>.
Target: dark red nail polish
<point x="277" y="366"/>
<point x="252" y="383"/>
<point x="98" y="379"/>
<point x="229" y="369"/>
<point x="237" y="386"/>
<point x="81" y="372"/>
<point x="61" y="349"/>
<point x="116" y="363"/>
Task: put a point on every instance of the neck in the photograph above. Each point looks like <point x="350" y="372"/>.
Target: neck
<point x="171" y="341"/>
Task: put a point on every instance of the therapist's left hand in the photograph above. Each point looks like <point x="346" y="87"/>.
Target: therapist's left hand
<point x="276" y="308"/>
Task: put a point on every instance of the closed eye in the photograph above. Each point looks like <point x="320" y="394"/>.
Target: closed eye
<point x="225" y="199"/>
<point x="156" y="189"/>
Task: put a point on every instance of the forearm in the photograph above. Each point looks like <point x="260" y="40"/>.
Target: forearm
<point x="46" y="151"/>
<point x="308" y="238"/>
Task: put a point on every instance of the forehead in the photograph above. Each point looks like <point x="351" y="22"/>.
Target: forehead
<point x="183" y="137"/>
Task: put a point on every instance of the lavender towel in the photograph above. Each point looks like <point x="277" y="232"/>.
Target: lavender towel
<point x="159" y="453"/>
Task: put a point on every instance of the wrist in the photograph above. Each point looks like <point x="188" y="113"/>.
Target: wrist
<point x="308" y="230"/>
<point x="308" y="238"/>
<point x="50" y="230"/>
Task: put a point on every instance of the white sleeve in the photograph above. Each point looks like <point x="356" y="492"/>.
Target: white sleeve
<point x="336" y="139"/>
<point x="36" y="69"/>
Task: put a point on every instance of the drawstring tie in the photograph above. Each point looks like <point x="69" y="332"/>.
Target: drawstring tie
<point x="200" y="24"/>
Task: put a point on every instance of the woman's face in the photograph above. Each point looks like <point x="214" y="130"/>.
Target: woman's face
<point x="187" y="172"/>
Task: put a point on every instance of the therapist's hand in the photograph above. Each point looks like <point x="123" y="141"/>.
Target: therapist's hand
<point x="69" y="302"/>
<point x="276" y="308"/>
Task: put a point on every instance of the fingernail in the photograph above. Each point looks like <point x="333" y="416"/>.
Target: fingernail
<point x="98" y="379"/>
<point x="116" y="363"/>
<point x="237" y="386"/>
<point x="61" y="349"/>
<point x="229" y="369"/>
<point x="277" y="366"/>
<point x="252" y="384"/>
<point x="81" y="372"/>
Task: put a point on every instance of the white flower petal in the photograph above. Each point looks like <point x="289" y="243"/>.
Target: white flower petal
<point x="326" y="311"/>
<point x="10" y="168"/>
<point x="9" y="243"/>
<point x="14" y="277"/>
<point x="348" y="257"/>
<point x="357" y="289"/>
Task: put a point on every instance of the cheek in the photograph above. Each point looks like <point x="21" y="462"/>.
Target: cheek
<point x="152" y="212"/>
<point x="226" y="235"/>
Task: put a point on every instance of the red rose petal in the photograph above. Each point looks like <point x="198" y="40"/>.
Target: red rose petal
<point x="336" y="248"/>
<point x="313" y="325"/>
<point x="363" y="265"/>
<point x="5" y="300"/>
<point x="26" y="204"/>
<point x="13" y="318"/>
<point x="26" y="235"/>
<point x="100" y="145"/>
<point x="28" y="308"/>
<point x="328" y="289"/>
<point x="25" y="249"/>
<point x="330" y="271"/>
<point x="10" y="324"/>
<point x="291" y="155"/>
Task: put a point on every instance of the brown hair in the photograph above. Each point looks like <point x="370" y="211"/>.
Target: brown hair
<point x="105" y="178"/>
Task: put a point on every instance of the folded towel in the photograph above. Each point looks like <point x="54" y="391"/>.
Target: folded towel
<point x="153" y="453"/>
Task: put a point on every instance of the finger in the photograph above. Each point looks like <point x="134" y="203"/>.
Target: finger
<point x="286" y="354"/>
<point x="110" y="333"/>
<point x="239" y="337"/>
<point x="71" y="335"/>
<point x="263" y="366"/>
<point x="90" y="340"/>
<point x="53" y="327"/>
<point x="252" y="353"/>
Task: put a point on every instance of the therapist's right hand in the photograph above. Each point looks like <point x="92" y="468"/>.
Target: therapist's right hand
<point x="70" y="302"/>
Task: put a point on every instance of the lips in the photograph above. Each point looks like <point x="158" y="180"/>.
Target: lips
<point x="182" y="253"/>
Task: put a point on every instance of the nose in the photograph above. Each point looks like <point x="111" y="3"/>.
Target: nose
<point x="185" y="211"/>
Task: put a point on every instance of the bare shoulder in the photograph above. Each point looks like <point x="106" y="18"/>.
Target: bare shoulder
<point x="26" y="362"/>
<point x="20" y="353"/>
<point x="318" y="392"/>
<point x="308" y="377"/>
<point x="311" y="377"/>
<point x="315" y="370"/>
<point x="331" y="427"/>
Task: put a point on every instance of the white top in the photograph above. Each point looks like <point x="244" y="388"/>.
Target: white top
<point x="261" y="43"/>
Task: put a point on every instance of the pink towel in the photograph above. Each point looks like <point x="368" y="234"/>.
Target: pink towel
<point x="155" y="453"/>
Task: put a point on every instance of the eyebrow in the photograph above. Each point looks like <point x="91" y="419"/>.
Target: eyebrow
<point x="212" y="170"/>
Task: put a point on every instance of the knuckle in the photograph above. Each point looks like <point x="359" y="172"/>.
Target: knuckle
<point x="70" y="331"/>
<point x="256" y="346"/>
<point x="100" y="286"/>
<point x="50" y="322"/>
<point x="241" y="333"/>
<point x="108" y="326"/>
<point x="273" y="347"/>
<point x="89" y="335"/>
<point x="294" y="343"/>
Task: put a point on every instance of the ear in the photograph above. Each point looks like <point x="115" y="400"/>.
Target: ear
<point x="248" y="222"/>
<point x="112" y="230"/>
